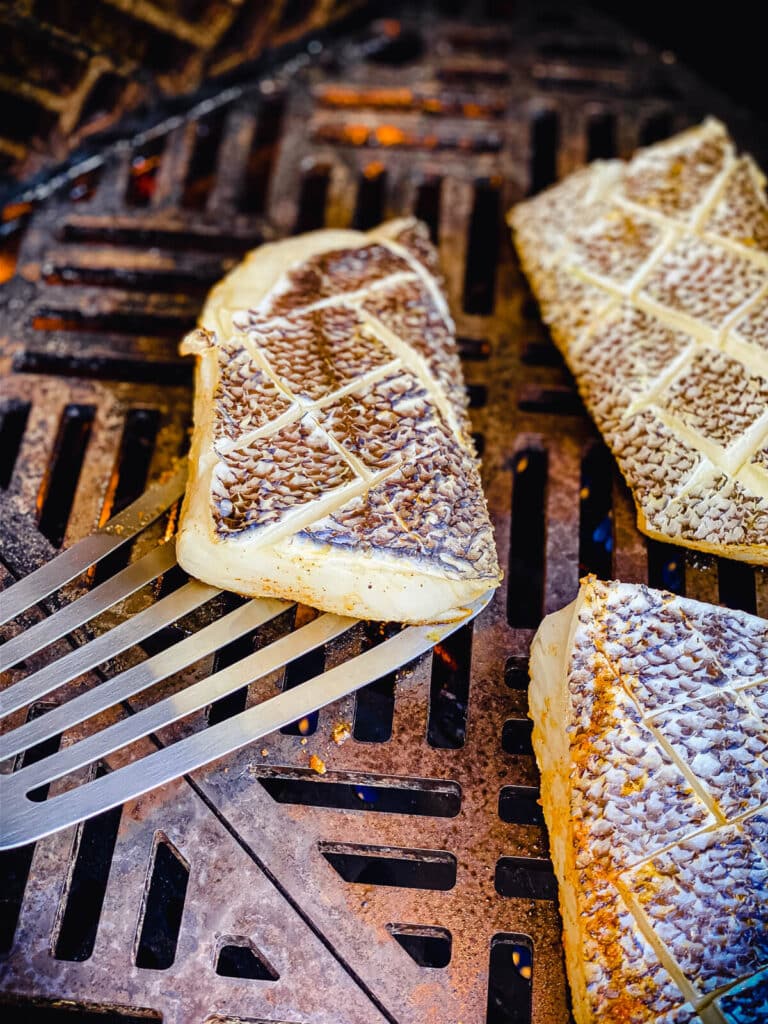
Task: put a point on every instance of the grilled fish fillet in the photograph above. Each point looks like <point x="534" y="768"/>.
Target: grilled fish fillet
<point x="651" y="731"/>
<point x="653" y="278"/>
<point x="331" y="461"/>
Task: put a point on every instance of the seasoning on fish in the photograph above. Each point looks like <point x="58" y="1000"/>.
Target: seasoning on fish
<point x="650" y="720"/>
<point x="653" y="278"/>
<point x="332" y="461"/>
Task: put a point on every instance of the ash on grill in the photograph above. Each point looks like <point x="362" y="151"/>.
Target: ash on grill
<point x="410" y="881"/>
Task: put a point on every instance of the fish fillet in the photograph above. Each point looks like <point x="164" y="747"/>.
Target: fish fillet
<point x="331" y="461"/>
<point x="651" y="732"/>
<point x="653" y="278"/>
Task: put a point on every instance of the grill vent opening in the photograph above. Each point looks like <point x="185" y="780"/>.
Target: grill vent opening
<point x="666" y="566"/>
<point x="201" y="174"/>
<point x="13" y="423"/>
<point x="527" y="878"/>
<point x="239" y="958"/>
<point x="233" y="703"/>
<point x="379" y="865"/>
<point x="313" y="197"/>
<point x="601" y="137"/>
<point x="145" y="166"/>
<point x="427" y="206"/>
<point x="375" y="708"/>
<point x="545" y="139"/>
<point x="163" y="907"/>
<point x="736" y="585"/>
<point x="525" y="584"/>
<point x="261" y="158"/>
<point x="516" y="672"/>
<point x="482" y="250"/>
<point x="57" y="492"/>
<point x="129" y="478"/>
<point x="510" y="975"/>
<point x="516" y="736"/>
<point x="428" y="945"/>
<point x="87" y="887"/>
<point x="15" y="864"/>
<point x="596" y="512"/>
<point x="299" y="671"/>
<point x="519" y="805"/>
<point x="371" y="193"/>
<point x="449" y="690"/>
<point x="377" y="793"/>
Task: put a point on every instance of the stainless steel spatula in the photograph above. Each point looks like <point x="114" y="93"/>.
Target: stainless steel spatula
<point x="24" y="819"/>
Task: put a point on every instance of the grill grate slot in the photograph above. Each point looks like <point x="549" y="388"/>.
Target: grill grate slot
<point x="87" y="884"/>
<point x="429" y="946"/>
<point x="377" y="793"/>
<point x="525" y="585"/>
<point x="483" y="250"/>
<point x="736" y="585"/>
<point x="407" y="869"/>
<point x="526" y="878"/>
<point x="666" y="566"/>
<point x="427" y="205"/>
<point x="163" y="908"/>
<point x="313" y="196"/>
<point x="244" y="961"/>
<point x="510" y="980"/>
<point x="57" y="492"/>
<point x="13" y="423"/>
<point x="371" y="192"/>
<point x="521" y="805"/>
<point x="261" y="158"/>
<point x="601" y="137"/>
<point x="596" y="513"/>
<point x="544" y="143"/>
<point x="449" y="690"/>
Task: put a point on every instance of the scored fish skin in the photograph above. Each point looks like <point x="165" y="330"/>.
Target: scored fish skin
<point x="652" y="276"/>
<point x="332" y="461"/>
<point x="650" y="729"/>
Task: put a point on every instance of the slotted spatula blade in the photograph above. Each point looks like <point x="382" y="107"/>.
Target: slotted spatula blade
<point x="24" y="820"/>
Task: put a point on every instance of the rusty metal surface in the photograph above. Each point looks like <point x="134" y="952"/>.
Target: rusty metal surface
<point x="455" y="119"/>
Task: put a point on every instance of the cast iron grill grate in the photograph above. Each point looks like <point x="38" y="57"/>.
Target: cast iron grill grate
<point x="414" y="873"/>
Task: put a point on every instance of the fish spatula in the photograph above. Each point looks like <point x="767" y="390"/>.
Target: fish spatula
<point x="24" y="817"/>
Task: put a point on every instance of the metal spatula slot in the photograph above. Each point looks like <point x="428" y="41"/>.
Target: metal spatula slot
<point x="26" y="820"/>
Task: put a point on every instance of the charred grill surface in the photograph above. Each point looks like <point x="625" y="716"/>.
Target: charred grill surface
<point x="412" y="877"/>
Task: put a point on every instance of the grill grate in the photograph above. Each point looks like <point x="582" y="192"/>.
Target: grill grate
<point x="257" y="890"/>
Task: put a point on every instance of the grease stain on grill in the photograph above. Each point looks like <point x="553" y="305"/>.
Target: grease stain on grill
<point x="516" y="736"/>
<point x="76" y="1013"/>
<point x="666" y="566"/>
<point x="13" y="422"/>
<point x="736" y="585"/>
<point x="87" y="884"/>
<point x="57" y="491"/>
<point x="371" y="193"/>
<point x="525" y="584"/>
<point x="427" y="945"/>
<point x="391" y="866"/>
<point x="510" y="985"/>
<point x="519" y="805"/>
<point x="527" y="878"/>
<point x="353" y="791"/>
<point x="160" y="921"/>
<point x="237" y="957"/>
<point x="544" y="144"/>
<point x="427" y="205"/>
<point x="596" y="512"/>
<point x="449" y="690"/>
<point x="482" y="250"/>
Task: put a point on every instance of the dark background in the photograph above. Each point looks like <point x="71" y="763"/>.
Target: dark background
<point x="724" y="42"/>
